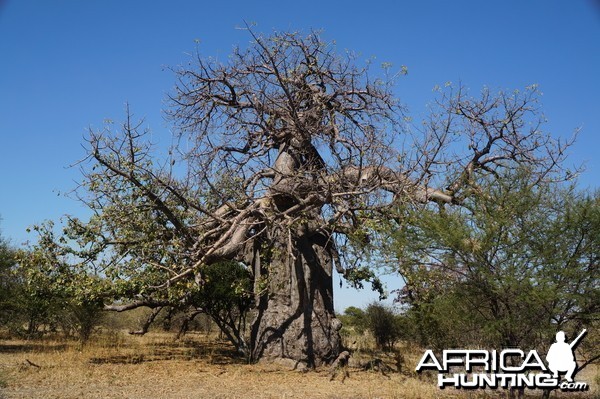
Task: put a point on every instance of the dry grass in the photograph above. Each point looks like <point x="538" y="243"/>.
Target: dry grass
<point x="156" y="366"/>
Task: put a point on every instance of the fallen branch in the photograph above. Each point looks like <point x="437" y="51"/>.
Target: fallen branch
<point x="30" y="363"/>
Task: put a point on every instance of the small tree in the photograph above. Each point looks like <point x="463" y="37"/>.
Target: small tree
<point x="226" y="297"/>
<point x="519" y="261"/>
<point x="54" y="292"/>
<point x="384" y="324"/>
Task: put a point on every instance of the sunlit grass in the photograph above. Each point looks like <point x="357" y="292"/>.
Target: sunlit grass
<point x="117" y="365"/>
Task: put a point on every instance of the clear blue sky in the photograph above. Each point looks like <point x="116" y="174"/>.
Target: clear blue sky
<point x="66" y="65"/>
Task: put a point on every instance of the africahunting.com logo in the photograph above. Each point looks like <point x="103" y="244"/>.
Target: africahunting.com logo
<point x="509" y="368"/>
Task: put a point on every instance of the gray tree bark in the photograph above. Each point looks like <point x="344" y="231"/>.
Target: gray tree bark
<point x="295" y="316"/>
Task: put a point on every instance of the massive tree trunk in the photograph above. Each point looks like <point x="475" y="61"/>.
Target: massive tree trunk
<point x="295" y="317"/>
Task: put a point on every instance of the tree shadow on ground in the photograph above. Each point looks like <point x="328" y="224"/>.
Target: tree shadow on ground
<point x="214" y="352"/>
<point x="27" y="347"/>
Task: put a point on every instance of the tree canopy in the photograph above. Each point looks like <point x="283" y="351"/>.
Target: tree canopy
<point x="509" y="268"/>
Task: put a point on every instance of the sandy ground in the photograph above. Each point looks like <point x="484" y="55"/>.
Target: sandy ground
<point x="158" y="367"/>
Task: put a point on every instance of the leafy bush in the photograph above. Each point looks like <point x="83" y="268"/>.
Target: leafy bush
<point x="384" y="324"/>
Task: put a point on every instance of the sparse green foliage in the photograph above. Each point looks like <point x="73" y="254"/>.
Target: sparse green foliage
<point x="26" y="306"/>
<point x="384" y="324"/>
<point x="517" y="262"/>
<point x="355" y="319"/>
<point x="226" y="296"/>
<point x="56" y="293"/>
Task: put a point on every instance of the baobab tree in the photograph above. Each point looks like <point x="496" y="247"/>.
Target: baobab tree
<point x="284" y="155"/>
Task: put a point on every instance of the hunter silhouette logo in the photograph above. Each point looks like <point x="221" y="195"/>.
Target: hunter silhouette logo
<point x="508" y="368"/>
<point x="561" y="357"/>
